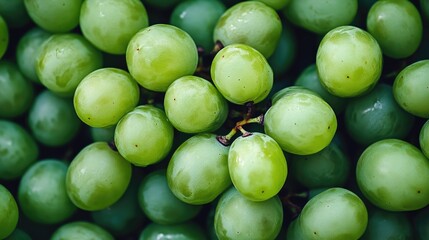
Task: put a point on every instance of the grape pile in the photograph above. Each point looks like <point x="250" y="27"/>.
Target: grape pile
<point x="220" y="119"/>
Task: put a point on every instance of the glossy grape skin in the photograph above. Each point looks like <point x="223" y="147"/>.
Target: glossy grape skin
<point x="110" y="25"/>
<point x="19" y="150"/>
<point x="81" y="230"/>
<point x="64" y="60"/>
<point x="394" y="175"/>
<point x="42" y="194"/>
<point x="251" y="159"/>
<point x="411" y="88"/>
<point x="16" y="92"/>
<point x="28" y="49"/>
<point x="181" y="231"/>
<point x="159" y="203"/>
<point x="4" y="36"/>
<point x="376" y="115"/>
<point x="424" y="139"/>
<point x="237" y="217"/>
<point x="321" y="16"/>
<point x="9" y="212"/>
<point x="97" y="177"/>
<point x="301" y="122"/>
<point x="136" y="127"/>
<point x="197" y="172"/>
<point x="252" y="23"/>
<point x="241" y="74"/>
<point x="153" y="55"/>
<point x="198" y="18"/>
<point x="104" y="96"/>
<point x="334" y="214"/>
<point x="388" y="17"/>
<point x="193" y="105"/>
<point x="349" y="61"/>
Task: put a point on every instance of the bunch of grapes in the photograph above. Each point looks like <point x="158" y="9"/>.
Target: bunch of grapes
<point x="220" y="119"/>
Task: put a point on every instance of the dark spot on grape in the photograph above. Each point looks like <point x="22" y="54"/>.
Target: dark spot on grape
<point x="89" y="118"/>
<point x="136" y="145"/>
<point x="329" y="127"/>
<point x="138" y="49"/>
<point x="262" y="191"/>
<point x="348" y="76"/>
<point x="418" y="191"/>
<point x="315" y="233"/>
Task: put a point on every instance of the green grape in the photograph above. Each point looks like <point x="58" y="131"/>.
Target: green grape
<point x="387" y="225"/>
<point x="4" y="37"/>
<point x="14" y="13"/>
<point x="285" y="53"/>
<point x="159" y="203"/>
<point x="181" y="231"/>
<point x="321" y="16"/>
<point x="420" y="221"/>
<point x="42" y="194"/>
<point x="349" y="61"/>
<point x="105" y="134"/>
<point x="376" y="115"/>
<point x="110" y="25"/>
<point x="162" y="4"/>
<point x="334" y="214"/>
<point x="64" y="60"/>
<point x="294" y="230"/>
<point x="57" y="16"/>
<point x="9" y="212"/>
<point x="237" y="217"/>
<point x="257" y="166"/>
<point x="104" y="96"/>
<point x="16" y="92"/>
<point x="193" y="105"/>
<point x="52" y="119"/>
<point x="27" y="51"/>
<point x="198" y="18"/>
<point x="97" y="177"/>
<point x="18" y="234"/>
<point x="18" y="150"/>
<point x="197" y="173"/>
<point x="386" y="18"/>
<point x="159" y="54"/>
<point x="410" y="88"/>
<point x="276" y="4"/>
<point x="424" y="8"/>
<point x="145" y="122"/>
<point x="424" y="139"/>
<point x="309" y="78"/>
<point x="241" y="74"/>
<point x="394" y="175"/>
<point x="301" y="122"/>
<point x="329" y="167"/>
<point x="251" y="23"/>
<point x="291" y="89"/>
<point x="81" y="230"/>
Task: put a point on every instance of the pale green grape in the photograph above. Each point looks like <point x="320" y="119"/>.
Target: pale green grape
<point x="158" y="202"/>
<point x="387" y="18"/>
<point x="64" y="60"/>
<point x="104" y="96"/>
<point x="4" y="37"/>
<point x="194" y="105"/>
<point x="57" y="16"/>
<point x="159" y="54"/>
<point x="97" y="177"/>
<point x="9" y="212"/>
<point x="424" y="138"/>
<point x="181" y="231"/>
<point x="239" y="218"/>
<point x="394" y="175"/>
<point x="18" y="150"/>
<point x="27" y="51"/>
<point x="334" y="214"/>
<point x="42" y="194"/>
<point x="144" y="136"/>
<point x="349" y="61"/>
<point x="301" y="122"/>
<point x="276" y="4"/>
<point x="411" y="88"/>
<point x="291" y="89"/>
<point x="16" y="92"/>
<point x="321" y="16"/>
<point x="257" y="166"/>
<point x="110" y="25"/>
<point x="241" y="74"/>
<point x="197" y="173"/>
<point x="81" y="230"/>
<point x="252" y="23"/>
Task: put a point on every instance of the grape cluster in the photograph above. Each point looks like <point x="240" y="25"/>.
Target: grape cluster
<point x="220" y="119"/>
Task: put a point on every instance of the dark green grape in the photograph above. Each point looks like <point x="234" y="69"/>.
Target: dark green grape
<point x="14" y="13"/>
<point x="161" y="4"/>
<point x="81" y="230"/>
<point x="18" y="234"/>
<point x="181" y="231"/>
<point x="424" y="139"/>
<point x="420" y="221"/>
<point x="9" y="212"/>
<point x="285" y="53"/>
<point x="4" y="36"/>
<point x="276" y="4"/>
<point x="294" y="230"/>
<point x="105" y="134"/>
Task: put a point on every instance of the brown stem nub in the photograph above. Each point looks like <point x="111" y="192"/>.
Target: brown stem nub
<point x="223" y="140"/>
